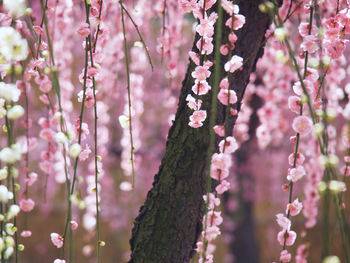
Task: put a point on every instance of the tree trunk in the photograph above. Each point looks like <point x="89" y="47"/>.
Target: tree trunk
<point x="243" y="245"/>
<point x="169" y="223"/>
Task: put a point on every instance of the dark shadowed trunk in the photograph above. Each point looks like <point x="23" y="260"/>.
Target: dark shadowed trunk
<point x="243" y="244"/>
<point x="169" y="223"/>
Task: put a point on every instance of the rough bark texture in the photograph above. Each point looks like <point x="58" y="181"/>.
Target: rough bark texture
<point x="169" y="223"/>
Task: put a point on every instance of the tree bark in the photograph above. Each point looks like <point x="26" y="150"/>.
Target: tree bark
<point x="169" y="223"/>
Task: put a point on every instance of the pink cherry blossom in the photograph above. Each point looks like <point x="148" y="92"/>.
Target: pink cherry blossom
<point x="26" y="233"/>
<point x="238" y="22"/>
<point x="57" y="240"/>
<point x="219" y="130"/>
<point x="227" y="96"/>
<point x="304" y="29"/>
<point x="294" y="208"/>
<point x="298" y="161"/>
<point x="192" y="103"/>
<point x="287" y="235"/>
<point x="283" y="221"/>
<point x="302" y="125"/>
<point x="294" y="104"/>
<point x="296" y="174"/>
<point x="200" y="87"/>
<point x="201" y="73"/>
<point x="310" y="44"/>
<point x="285" y="256"/>
<point x="26" y="205"/>
<point x="84" y="30"/>
<point x="235" y="63"/>
<point x="230" y="143"/>
<point x="73" y="225"/>
<point x="222" y="187"/>
<point x="32" y="177"/>
<point x="197" y="118"/>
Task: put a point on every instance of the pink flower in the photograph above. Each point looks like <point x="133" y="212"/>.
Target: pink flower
<point x="200" y="87"/>
<point x="27" y="205"/>
<point x="304" y="29"/>
<point x="283" y="221"/>
<point x="219" y="130"/>
<point x="213" y="201"/>
<point x="192" y="103"/>
<point x="222" y="187"/>
<point x="231" y="145"/>
<point x="47" y="134"/>
<point x="296" y="174"/>
<point x="205" y="28"/>
<point x="211" y="232"/>
<point x="214" y="218"/>
<point x="85" y="153"/>
<point x="310" y="44"/>
<point x="294" y="208"/>
<point x="224" y="84"/>
<point x="294" y="104"/>
<point x="299" y="160"/>
<point x="335" y="48"/>
<point x="45" y="85"/>
<point x="197" y="118"/>
<point x="73" y="225"/>
<point x="287" y="235"/>
<point x="238" y="22"/>
<point x="302" y="125"/>
<point x="201" y="73"/>
<point x="32" y="177"/>
<point x="235" y="63"/>
<point x="26" y="233"/>
<point x="84" y="30"/>
<point x="195" y="57"/>
<point x="57" y="240"/>
<point x="225" y="96"/>
<point x="285" y="256"/>
<point x="206" y="45"/>
<point x="298" y="89"/>
<point x="89" y="97"/>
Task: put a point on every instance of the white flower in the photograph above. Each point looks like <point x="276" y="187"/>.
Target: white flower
<point x="3" y="173"/>
<point x="12" y="212"/>
<point x="10" y="229"/>
<point x="12" y="46"/>
<point x="10" y="155"/>
<point x="75" y="150"/>
<point x="124" y="121"/>
<point x="5" y="195"/>
<point x="15" y="7"/>
<point x="60" y="137"/>
<point x="8" y="252"/>
<point x="9" y="92"/>
<point x="15" y="112"/>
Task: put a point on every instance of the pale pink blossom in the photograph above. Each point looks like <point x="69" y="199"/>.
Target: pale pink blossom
<point x="304" y="29"/>
<point x="200" y="87"/>
<point x="288" y="235"/>
<point x="285" y="256"/>
<point x="89" y="97"/>
<point x="84" y="30"/>
<point x="213" y="201"/>
<point x="206" y="45"/>
<point x="283" y="221"/>
<point x="219" y="130"/>
<point x="302" y="125"/>
<point x="192" y="103"/>
<point x="201" y="73"/>
<point x="235" y="63"/>
<point x="230" y="143"/>
<point x="32" y="177"/>
<point x="294" y="208"/>
<point x="27" y="205"/>
<point x="298" y="161"/>
<point x="197" y="118"/>
<point x="226" y="96"/>
<point x="294" y="104"/>
<point x="26" y="233"/>
<point x="296" y="174"/>
<point x="310" y="44"/>
<point x="205" y="28"/>
<point x="85" y="153"/>
<point x="57" y="240"/>
<point x="238" y="22"/>
<point x="73" y="225"/>
<point x="222" y="187"/>
<point x="224" y="84"/>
